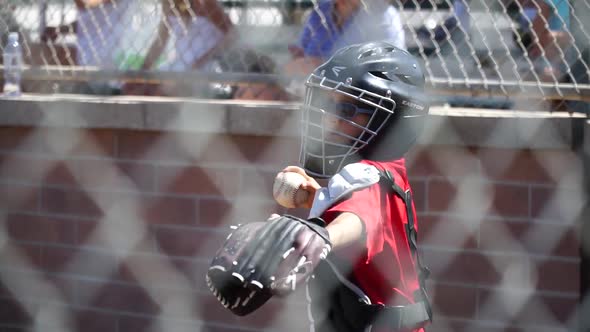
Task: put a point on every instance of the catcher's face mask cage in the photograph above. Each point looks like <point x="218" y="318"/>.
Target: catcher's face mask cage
<point x="339" y="119"/>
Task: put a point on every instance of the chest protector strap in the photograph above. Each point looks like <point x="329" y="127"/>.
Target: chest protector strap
<point x="420" y="295"/>
<point x="337" y="304"/>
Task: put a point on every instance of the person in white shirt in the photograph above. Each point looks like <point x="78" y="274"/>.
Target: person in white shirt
<point x="198" y="29"/>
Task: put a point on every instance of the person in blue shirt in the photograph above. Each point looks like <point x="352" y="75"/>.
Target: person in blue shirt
<point x="331" y="25"/>
<point x="544" y="32"/>
<point x="338" y="23"/>
<point x="334" y="24"/>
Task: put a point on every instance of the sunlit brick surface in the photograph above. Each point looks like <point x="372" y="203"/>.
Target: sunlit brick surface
<point x="113" y="230"/>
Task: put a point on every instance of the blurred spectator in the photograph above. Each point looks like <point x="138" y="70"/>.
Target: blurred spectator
<point x="99" y="29"/>
<point x="544" y="26"/>
<point x="547" y="21"/>
<point x="455" y="27"/>
<point x="7" y="21"/>
<point x="334" y="24"/>
<point x="200" y="28"/>
<point x="337" y="23"/>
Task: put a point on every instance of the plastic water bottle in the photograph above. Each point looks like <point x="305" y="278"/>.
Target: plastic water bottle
<point x="13" y="66"/>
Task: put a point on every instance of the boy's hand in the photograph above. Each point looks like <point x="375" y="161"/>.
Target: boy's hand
<point x="310" y="185"/>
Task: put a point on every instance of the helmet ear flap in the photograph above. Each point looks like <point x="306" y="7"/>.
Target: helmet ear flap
<point x="395" y="139"/>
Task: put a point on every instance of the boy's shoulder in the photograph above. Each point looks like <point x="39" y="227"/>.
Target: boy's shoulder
<point x="395" y="167"/>
<point x="351" y="178"/>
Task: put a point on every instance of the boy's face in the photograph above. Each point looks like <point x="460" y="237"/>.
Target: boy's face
<point x="348" y="122"/>
<point x="335" y="128"/>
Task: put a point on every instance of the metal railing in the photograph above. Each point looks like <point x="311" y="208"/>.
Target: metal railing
<point x="508" y="48"/>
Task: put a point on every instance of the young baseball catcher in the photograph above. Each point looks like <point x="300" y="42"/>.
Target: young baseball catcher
<point x="357" y="252"/>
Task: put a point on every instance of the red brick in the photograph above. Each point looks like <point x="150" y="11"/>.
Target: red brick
<point x="92" y="237"/>
<point x="557" y="204"/>
<point x="111" y="296"/>
<point x="161" y="269"/>
<point x="558" y="276"/>
<point x="478" y="268"/>
<point x="95" y="143"/>
<point x="14" y="329"/>
<point x="189" y="242"/>
<point x="247" y="210"/>
<point x="278" y="313"/>
<point x="12" y="312"/>
<point x="37" y="170"/>
<point x="12" y="138"/>
<point x="79" y="261"/>
<point x="419" y="193"/>
<point x="65" y="285"/>
<point x="85" y="231"/>
<point x="198" y="180"/>
<point x="440" y="195"/>
<point x="142" y="145"/>
<point x="36" y="287"/>
<point x="212" y="311"/>
<point x="69" y="201"/>
<point x="41" y="229"/>
<point x="257" y="183"/>
<point x="447" y="232"/>
<point x="21" y="255"/>
<point x="536" y="166"/>
<point x="237" y="328"/>
<point x="215" y="212"/>
<point x="453" y="301"/>
<point x="5" y="291"/>
<point x="116" y="175"/>
<point x="70" y="142"/>
<point x="510" y="200"/>
<point x="94" y="321"/>
<point x="149" y="324"/>
<point x="61" y="174"/>
<point x="222" y="213"/>
<point x="442" y="161"/>
<point x="195" y="272"/>
<point x="89" y="235"/>
<point x="248" y="150"/>
<point x="529" y="238"/>
<point x="16" y="197"/>
<point x="442" y="324"/>
<point x="137" y="324"/>
<point x="512" y="165"/>
<point x="26" y="168"/>
<point x="56" y="259"/>
<point x="88" y="143"/>
<point x="526" y="308"/>
<point x="483" y="327"/>
<point x="170" y="210"/>
<point x="506" y="200"/>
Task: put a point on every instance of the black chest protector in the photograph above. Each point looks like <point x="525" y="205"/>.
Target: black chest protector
<point x="338" y="305"/>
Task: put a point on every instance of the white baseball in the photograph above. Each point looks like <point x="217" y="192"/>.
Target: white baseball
<point x="287" y="191"/>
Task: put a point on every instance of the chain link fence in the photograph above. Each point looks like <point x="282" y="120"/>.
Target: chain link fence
<point x="112" y="229"/>
<point x="501" y="49"/>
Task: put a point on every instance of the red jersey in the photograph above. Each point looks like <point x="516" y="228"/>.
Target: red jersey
<point x="386" y="271"/>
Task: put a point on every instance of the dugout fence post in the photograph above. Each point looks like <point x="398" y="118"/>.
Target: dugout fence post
<point x="579" y="33"/>
<point x="584" y="308"/>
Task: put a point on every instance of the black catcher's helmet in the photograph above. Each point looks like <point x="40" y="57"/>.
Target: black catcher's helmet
<point x="377" y="79"/>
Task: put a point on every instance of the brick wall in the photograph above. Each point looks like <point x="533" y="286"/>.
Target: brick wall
<point x="111" y="230"/>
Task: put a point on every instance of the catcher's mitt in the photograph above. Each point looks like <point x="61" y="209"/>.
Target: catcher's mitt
<point x="262" y="259"/>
